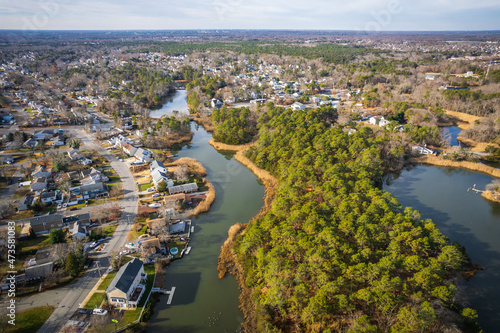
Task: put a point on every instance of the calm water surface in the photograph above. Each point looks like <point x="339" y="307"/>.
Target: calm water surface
<point x="176" y="102"/>
<point x="202" y="302"/>
<point x="441" y="194"/>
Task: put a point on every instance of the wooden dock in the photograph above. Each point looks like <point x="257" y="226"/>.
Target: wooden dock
<point x="474" y="190"/>
<point x="170" y="294"/>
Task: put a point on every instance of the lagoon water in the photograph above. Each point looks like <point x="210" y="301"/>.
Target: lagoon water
<point x="176" y="102"/>
<point x="441" y="195"/>
<point x="202" y="302"/>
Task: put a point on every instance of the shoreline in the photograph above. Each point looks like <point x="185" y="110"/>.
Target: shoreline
<point x="472" y="166"/>
<point x="491" y="196"/>
<point x="227" y="261"/>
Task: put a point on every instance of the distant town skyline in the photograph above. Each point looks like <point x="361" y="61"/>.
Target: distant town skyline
<point x="368" y="15"/>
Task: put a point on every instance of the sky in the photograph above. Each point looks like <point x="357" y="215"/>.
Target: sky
<point x="368" y="15"/>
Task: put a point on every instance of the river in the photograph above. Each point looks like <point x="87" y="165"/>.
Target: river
<point x="441" y="195"/>
<point x="450" y="134"/>
<point x="199" y="293"/>
<point x="176" y="102"/>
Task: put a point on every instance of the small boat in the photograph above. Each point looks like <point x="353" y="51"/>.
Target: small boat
<point x="188" y="249"/>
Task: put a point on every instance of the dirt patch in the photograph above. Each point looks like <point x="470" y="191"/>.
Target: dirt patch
<point x="434" y="160"/>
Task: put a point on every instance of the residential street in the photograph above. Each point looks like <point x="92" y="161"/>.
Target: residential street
<point x="77" y="292"/>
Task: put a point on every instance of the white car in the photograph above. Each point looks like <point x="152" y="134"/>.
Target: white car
<point x="100" y="312"/>
<point x="154" y="205"/>
<point x="151" y="189"/>
<point x="156" y="195"/>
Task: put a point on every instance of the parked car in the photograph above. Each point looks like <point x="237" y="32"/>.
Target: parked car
<point x="156" y="195"/>
<point x="151" y="189"/>
<point x="100" y="312"/>
<point x="85" y="311"/>
<point x="73" y="208"/>
<point x="154" y="205"/>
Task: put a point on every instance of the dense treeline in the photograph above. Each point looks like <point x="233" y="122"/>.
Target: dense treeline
<point x="234" y="126"/>
<point x="331" y="53"/>
<point x="147" y="87"/>
<point x="335" y="253"/>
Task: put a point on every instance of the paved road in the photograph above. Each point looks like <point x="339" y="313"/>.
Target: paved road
<point x="77" y="292"/>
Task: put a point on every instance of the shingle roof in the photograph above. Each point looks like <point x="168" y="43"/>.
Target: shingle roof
<point x="126" y="276"/>
<point x="45" y="219"/>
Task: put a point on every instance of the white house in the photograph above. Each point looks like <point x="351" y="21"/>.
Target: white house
<point x="127" y="287"/>
<point x="143" y="155"/>
<point x="378" y="120"/>
<point x="78" y="231"/>
<point x="298" y="106"/>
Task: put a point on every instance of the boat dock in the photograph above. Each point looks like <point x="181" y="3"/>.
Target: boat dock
<point x="170" y="294"/>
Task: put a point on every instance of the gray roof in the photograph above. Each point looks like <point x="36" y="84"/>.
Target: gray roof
<point x="50" y="194"/>
<point x="27" y="200"/>
<point x="78" y="228"/>
<point x="79" y="217"/>
<point x="39" y="271"/>
<point x="46" y="219"/>
<point x="126" y="276"/>
<point x="94" y="187"/>
<point x="178" y="227"/>
<point x="156" y="164"/>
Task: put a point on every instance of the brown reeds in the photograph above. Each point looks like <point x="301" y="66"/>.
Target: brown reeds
<point x="204" y="206"/>
<point x="434" y="160"/>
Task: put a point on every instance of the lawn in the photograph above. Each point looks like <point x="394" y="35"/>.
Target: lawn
<point x="96" y="300"/>
<point x="110" y="230"/>
<point x="31" y="320"/>
<point x="21" y="193"/>
<point x="107" y="281"/>
<point x="30" y="246"/>
<point x="144" y="187"/>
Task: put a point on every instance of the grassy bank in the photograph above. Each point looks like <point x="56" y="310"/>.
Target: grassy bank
<point x="434" y="160"/>
<point x="204" y="206"/>
<point x="463" y="120"/>
<point x="195" y="167"/>
<point x="206" y="123"/>
<point x="31" y="320"/>
<point x="492" y="196"/>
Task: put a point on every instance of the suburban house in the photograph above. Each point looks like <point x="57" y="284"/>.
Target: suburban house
<point x="78" y="231"/>
<point x="41" y="171"/>
<point x="38" y="271"/>
<point x="43" y="224"/>
<point x="85" y="161"/>
<point x="43" y="135"/>
<point x="151" y="247"/>
<point x="423" y="150"/>
<point x="25" y="203"/>
<point x="38" y="184"/>
<point x="177" y="227"/>
<point x="159" y="176"/>
<point x="59" y="141"/>
<point x="298" y="106"/>
<point x="51" y="197"/>
<point x="186" y="188"/>
<point x="93" y="176"/>
<point x="91" y="191"/>
<point x="126" y="289"/>
<point x="216" y="103"/>
<point x="380" y="121"/>
<point x="83" y="219"/>
<point x="74" y="155"/>
<point x="157" y="165"/>
<point x="143" y="155"/>
<point x="129" y="149"/>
